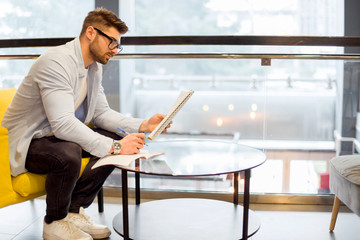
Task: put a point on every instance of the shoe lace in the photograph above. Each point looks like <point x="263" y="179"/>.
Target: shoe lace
<point x="83" y="217"/>
<point x="67" y="226"/>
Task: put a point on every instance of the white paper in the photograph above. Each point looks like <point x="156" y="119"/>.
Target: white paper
<point x="179" y="103"/>
<point x="125" y="160"/>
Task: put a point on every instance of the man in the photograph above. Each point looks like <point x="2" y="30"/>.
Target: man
<point x="48" y="126"/>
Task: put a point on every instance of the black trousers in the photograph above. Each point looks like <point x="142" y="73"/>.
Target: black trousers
<point x="61" y="160"/>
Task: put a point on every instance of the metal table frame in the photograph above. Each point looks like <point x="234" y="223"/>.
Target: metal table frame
<point x="125" y="203"/>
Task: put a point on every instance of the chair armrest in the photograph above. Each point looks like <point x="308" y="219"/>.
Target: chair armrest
<point x="5" y="175"/>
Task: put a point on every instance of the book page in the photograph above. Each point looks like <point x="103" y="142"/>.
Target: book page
<point x="179" y="103"/>
<point x="125" y="160"/>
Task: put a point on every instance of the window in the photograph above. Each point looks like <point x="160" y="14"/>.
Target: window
<point x="286" y="108"/>
<point x="40" y="19"/>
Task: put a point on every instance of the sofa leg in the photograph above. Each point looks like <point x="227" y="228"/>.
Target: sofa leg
<point x="100" y="197"/>
<point x="334" y="214"/>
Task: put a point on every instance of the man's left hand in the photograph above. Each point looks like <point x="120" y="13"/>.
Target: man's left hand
<point x="150" y="124"/>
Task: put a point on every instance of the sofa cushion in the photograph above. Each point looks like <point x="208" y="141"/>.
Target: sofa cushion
<point x="29" y="183"/>
<point x="347" y="166"/>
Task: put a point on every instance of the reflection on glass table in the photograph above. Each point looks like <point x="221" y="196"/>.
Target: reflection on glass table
<point x="186" y="158"/>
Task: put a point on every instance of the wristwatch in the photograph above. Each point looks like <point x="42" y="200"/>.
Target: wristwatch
<point x="116" y="147"/>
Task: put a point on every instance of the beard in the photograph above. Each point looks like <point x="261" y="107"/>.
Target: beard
<point x="96" y="54"/>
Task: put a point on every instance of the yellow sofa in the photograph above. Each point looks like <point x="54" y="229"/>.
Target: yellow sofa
<point x="25" y="186"/>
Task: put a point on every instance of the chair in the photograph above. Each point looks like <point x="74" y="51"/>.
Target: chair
<point x="345" y="184"/>
<point x="28" y="185"/>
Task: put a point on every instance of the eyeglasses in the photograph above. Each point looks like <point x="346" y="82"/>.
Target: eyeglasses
<point x="113" y="43"/>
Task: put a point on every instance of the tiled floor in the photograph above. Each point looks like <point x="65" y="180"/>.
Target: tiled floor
<point x="24" y="221"/>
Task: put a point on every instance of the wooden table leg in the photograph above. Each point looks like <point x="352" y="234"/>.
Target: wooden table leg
<point x="334" y="214"/>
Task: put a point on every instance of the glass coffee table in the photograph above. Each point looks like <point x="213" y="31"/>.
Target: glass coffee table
<point x="190" y="218"/>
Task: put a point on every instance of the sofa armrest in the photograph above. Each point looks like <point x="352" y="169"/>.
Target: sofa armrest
<point x="5" y="175"/>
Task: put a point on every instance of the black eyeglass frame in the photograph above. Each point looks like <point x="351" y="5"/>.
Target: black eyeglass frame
<point x="119" y="48"/>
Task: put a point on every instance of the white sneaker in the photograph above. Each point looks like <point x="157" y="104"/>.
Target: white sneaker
<point x="83" y="222"/>
<point x="63" y="230"/>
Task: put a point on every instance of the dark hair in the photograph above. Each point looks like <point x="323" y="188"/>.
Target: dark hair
<point x="101" y="18"/>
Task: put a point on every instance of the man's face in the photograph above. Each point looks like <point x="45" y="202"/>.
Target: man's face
<point x="99" y="48"/>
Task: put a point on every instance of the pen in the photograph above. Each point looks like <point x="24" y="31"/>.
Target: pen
<point x="123" y="131"/>
<point x="126" y="133"/>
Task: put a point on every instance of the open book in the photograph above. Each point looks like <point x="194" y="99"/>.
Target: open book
<point x="180" y="101"/>
<point x="125" y="160"/>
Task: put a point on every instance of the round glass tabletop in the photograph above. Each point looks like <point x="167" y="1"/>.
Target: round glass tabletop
<point x="197" y="158"/>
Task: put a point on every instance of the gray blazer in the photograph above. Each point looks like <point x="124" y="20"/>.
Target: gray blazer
<point x="44" y="104"/>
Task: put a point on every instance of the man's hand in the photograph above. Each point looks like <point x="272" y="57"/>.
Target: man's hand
<point x="131" y="144"/>
<point x="150" y="125"/>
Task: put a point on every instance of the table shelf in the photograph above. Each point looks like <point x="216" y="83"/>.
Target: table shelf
<point x="186" y="218"/>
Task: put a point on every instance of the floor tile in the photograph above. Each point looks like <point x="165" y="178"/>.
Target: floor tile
<point x="6" y="236"/>
<point x="15" y="218"/>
